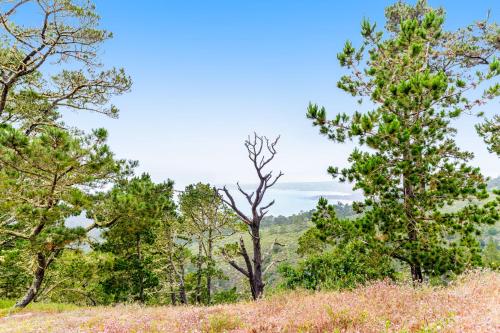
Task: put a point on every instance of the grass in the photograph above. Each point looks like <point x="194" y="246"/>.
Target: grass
<point x="6" y="307"/>
<point x="471" y="304"/>
<point x="221" y="323"/>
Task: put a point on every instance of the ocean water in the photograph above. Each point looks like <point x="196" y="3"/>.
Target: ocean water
<point x="292" y="198"/>
<point x="288" y="202"/>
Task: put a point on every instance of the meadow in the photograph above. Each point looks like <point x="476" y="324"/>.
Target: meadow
<point x="470" y="304"/>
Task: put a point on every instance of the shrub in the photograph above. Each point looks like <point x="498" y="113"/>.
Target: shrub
<point x="339" y="268"/>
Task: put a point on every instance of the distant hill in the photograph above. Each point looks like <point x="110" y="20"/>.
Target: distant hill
<point x="494" y="183"/>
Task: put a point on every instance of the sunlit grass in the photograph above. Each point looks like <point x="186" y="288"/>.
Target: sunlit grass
<point x="471" y="304"/>
<point x="7" y="307"/>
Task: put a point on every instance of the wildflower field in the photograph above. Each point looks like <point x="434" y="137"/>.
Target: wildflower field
<point x="471" y="304"/>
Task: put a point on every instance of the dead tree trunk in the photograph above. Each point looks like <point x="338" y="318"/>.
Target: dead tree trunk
<point x="261" y="151"/>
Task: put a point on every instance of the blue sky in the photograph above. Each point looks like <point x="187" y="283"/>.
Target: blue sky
<point x="207" y="73"/>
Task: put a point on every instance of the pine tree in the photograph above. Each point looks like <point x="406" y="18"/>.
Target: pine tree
<point x="208" y="220"/>
<point x="43" y="181"/>
<point x="137" y="206"/>
<point x="418" y="77"/>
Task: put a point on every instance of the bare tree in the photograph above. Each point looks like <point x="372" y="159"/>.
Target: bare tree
<point x="261" y="151"/>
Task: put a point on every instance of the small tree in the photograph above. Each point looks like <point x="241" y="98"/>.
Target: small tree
<point x="138" y="205"/>
<point x="338" y="254"/>
<point x="417" y="76"/>
<point x="257" y="146"/>
<point x="171" y="244"/>
<point x="208" y="220"/>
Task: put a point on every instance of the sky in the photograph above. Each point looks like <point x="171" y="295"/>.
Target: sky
<point x="208" y="73"/>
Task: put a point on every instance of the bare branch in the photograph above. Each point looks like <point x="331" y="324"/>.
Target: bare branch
<point x="15" y="233"/>
<point x="244" y="253"/>
<point x="108" y="224"/>
<point x="271" y="265"/>
<point x="231" y="203"/>
<point x="248" y="196"/>
<point x="275" y="180"/>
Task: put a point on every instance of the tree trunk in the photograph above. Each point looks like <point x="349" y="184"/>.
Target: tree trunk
<point x="37" y="282"/>
<point x="209" y="267"/>
<point x="141" y="277"/>
<point x="416" y="273"/>
<point x="182" y="287"/>
<point x="258" y="284"/>
<point x="259" y="160"/>
<point x="415" y="267"/>
<point x="199" y="269"/>
<point x="173" y="298"/>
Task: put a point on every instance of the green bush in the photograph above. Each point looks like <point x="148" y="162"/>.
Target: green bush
<point x="226" y="296"/>
<point x="339" y="268"/>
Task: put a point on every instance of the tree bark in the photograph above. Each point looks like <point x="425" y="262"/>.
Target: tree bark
<point x="257" y="264"/>
<point x="141" y="277"/>
<point x="415" y="267"/>
<point x="36" y="283"/>
<point x="182" y="287"/>
<point x="173" y="297"/>
<point x="408" y="193"/>
<point x="416" y="272"/>
<point x="209" y="267"/>
<point x="199" y="269"/>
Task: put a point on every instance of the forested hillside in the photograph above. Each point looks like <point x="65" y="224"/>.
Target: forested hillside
<point x="405" y="237"/>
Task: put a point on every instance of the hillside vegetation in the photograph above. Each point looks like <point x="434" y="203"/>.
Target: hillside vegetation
<point x="90" y="242"/>
<point x="470" y="305"/>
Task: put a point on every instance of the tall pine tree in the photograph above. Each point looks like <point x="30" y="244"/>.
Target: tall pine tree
<point x="418" y="78"/>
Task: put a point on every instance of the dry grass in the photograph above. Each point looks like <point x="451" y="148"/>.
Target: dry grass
<point x="471" y="305"/>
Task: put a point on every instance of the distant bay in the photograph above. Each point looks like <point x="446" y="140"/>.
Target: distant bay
<point x="292" y="198"/>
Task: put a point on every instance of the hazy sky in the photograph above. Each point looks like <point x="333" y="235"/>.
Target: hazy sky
<point x="207" y="73"/>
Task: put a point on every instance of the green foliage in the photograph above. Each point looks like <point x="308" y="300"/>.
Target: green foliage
<point x="137" y="206"/>
<point x="75" y="278"/>
<point x="207" y="220"/>
<point x="340" y="268"/>
<point x="226" y="296"/>
<point x="491" y="254"/>
<point x="48" y="172"/>
<point x="29" y="98"/>
<point x="44" y="180"/>
<point x="14" y="275"/>
<point x="408" y="166"/>
<point x="220" y="323"/>
<point x="338" y="255"/>
<point x="490" y="131"/>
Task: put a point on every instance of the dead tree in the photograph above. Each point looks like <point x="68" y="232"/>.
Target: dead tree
<point x="261" y="151"/>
